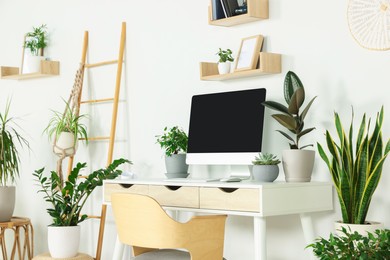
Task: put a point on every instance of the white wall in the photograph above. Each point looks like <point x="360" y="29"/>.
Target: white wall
<point x="165" y="42"/>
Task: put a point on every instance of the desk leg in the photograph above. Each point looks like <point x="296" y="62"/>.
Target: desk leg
<point x="118" y="250"/>
<point x="308" y="231"/>
<point x="260" y="240"/>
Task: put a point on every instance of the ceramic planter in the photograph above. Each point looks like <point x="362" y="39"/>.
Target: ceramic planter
<point x="63" y="242"/>
<point x="224" y="67"/>
<point x="176" y="166"/>
<point x="7" y="203"/>
<point x="298" y="165"/>
<point x="362" y="229"/>
<point x="32" y="64"/>
<point x="65" y="145"/>
<point x="265" y="173"/>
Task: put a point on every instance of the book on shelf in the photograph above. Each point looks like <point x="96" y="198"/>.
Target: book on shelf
<point x="233" y="5"/>
<point x="217" y="10"/>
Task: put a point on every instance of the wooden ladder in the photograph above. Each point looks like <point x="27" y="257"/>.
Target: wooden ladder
<point x="115" y="101"/>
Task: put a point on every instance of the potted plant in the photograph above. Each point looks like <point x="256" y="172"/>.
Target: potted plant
<point x="356" y="174"/>
<point x="65" y="130"/>
<point x="175" y="142"/>
<point x="67" y="200"/>
<point x="297" y="163"/>
<point x="265" y="167"/>
<point x="225" y="57"/>
<point x="35" y="42"/>
<point x="9" y="162"/>
<point x="353" y="246"/>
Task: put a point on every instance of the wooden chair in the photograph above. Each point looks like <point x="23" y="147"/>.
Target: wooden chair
<point x="142" y="223"/>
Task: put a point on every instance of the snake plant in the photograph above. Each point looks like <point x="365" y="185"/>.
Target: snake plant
<point x="356" y="175"/>
<point x="291" y="118"/>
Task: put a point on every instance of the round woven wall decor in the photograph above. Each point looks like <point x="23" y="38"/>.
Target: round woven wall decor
<point x="369" y="23"/>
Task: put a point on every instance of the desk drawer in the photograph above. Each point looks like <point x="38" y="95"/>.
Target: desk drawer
<point x="230" y="199"/>
<point x="177" y="196"/>
<point x="111" y="188"/>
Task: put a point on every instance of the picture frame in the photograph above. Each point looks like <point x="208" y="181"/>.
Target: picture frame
<point x="249" y="52"/>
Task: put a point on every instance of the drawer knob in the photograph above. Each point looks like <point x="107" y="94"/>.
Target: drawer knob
<point x="173" y="187"/>
<point x="228" y="190"/>
<point x="126" y="186"/>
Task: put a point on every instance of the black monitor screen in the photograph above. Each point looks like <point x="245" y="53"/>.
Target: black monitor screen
<point x="227" y="122"/>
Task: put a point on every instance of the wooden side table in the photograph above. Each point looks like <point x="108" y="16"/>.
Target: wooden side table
<point x="23" y="248"/>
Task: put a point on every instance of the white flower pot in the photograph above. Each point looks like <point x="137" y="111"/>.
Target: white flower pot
<point x="362" y="229"/>
<point x="7" y="203"/>
<point x="224" y="67"/>
<point x="265" y="173"/>
<point x="63" y="242"/>
<point x="298" y="165"/>
<point x="32" y="64"/>
<point x="64" y="145"/>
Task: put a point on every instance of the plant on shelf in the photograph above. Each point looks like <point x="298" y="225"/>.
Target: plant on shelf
<point x="353" y="246"/>
<point x="174" y="141"/>
<point x="36" y="40"/>
<point x="67" y="200"/>
<point x="265" y="167"/>
<point x="225" y="57"/>
<point x="292" y="118"/>
<point x="10" y="138"/>
<point x="66" y="129"/>
<point x="356" y="174"/>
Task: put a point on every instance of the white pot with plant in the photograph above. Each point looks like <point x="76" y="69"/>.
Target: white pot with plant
<point x="265" y="167"/>
<point x="9" y="162"/>
<point x="356" y="174"/>
<point x="297" y="163"/>
<point x="67" y="200"/>
<point x="65" y="129"/>
<point x="35" y="42"/>
<point x="224" y="62"/>
<point x="175" y="142"/>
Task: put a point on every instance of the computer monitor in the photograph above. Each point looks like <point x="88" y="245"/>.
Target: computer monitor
<point x="226" y="128"/>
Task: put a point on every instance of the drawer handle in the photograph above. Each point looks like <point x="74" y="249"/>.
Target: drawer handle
<point x="228" y="190"/>
<point x="126" y="186"/>
<point x="173" y="187"/>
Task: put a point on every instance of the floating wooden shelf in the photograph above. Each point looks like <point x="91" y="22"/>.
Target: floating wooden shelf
<point x="270" y="63"/>
<point x="257" y="10"/>
<point x="48" y="69"/>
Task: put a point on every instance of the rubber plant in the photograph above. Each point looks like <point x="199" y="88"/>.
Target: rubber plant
<point x="68" y="198"/>
<point x="291" y="116"/>
<point x="356" y="174"/>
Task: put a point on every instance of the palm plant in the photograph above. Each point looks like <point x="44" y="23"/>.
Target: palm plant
<point x="290" y="117"/>
<point x="356" y="174"/>
<point x="36" y="40"/>
<point x="9" y="155"/>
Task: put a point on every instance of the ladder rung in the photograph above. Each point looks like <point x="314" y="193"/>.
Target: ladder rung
<point x="98" y="64"/>
<point x="97" y="100"/>
<point x="96" y="138"/>
<point x="98" y="217"/>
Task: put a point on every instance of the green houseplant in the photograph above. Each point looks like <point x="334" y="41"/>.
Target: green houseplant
<point x="291" y="117"/>
<point x="36" y="40"/>
<point x="356" y="171"/>
<point x="65" y="129"/>
<point x="10" y="138"/>
<point x="174" y="141"/>
<point x="265" y="167"/>
<point x="67" y="200"/>
<point x="225" y="57"/>
<point x="353" y="246"/>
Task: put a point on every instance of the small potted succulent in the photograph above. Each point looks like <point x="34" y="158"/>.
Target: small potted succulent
<point x="265" y="167"/>
<point x="225" y="57"/>
<point x="175" y="142"/>
<point x="297" y="163"/>
<point x="65" y="129"/>
<point x="35" y="42"/>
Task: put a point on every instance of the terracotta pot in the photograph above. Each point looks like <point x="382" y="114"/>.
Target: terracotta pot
<point x="63" y="242"/>
<point x="298" y="165"/>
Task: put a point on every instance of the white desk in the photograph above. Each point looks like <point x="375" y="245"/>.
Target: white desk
<point x="257" y="200"/>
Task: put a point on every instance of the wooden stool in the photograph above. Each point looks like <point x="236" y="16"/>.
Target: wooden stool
<point x="24" y="248"/>
<point x="79" y="256"/>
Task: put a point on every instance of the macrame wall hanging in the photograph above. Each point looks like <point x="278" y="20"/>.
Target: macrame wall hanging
<point x="369" y="23"/>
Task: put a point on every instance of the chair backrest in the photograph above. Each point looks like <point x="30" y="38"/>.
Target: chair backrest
<point x="143" y="223"/>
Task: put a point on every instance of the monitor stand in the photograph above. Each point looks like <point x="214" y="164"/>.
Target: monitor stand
<point x="219" y="171"/>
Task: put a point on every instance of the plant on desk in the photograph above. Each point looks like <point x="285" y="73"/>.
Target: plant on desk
<point x="225" y="57"/>
<point x="175" y="142"/>
<point x="297" y="163"/>
<point x="67" y="199"/>
<point x="265" y="167"/>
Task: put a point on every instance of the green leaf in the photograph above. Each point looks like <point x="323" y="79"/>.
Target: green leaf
<point x="286" y="121"/>
<point x="276" y="106"/>
<point x="296" y="101"/>
<point x="304" y="112"/>
<point x="291" y="84"/>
